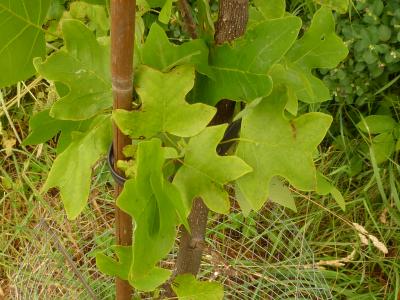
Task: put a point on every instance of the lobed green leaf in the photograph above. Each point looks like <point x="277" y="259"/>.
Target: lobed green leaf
<point x="241" y="68"/>
<point x="72" y="169"/>
<point x="164" y="109"/>
<point x="84" y="67"/>
<point x="111" y="267"/>
<point x="204" y="173"/>
<point x="157" y="208"/>
<point x="319" y="47"/>
<point x="43" y="127"/>
<point x="284" y="149"/>
<point x="162" y="55"/>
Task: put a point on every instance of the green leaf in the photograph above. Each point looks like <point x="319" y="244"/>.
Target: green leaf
<point x="187" y="287"/>
<point x="94" y="16"/>
<point x="377" y="124"/>
<point x="319" y="47"/>
<point x="204" y="173"/>
<point x="43" y="128"/>
<point x="165" y="12"/>
<point x="71" y="171"/>
<point x="383" y="146"/>
<point x="275" y="146"/>
<point x="162" y="55"/>
<point x="98" y="2"/>
<point x="22" y="38"/>
<point x="163" y="105"/>
<point x="305" y="86"/>
<point x="255" y="17"/>
<point x="324" y="187"/>
<point x="280" y="193"/>
<point x="167" y="192"/>
<point x="56" y="10"/>
<point x="271" y="9"/>
<point x="84" y="67"/>
<point x="241" y="68"/>
<point x="385" y="33"/>
<point x="337" y="195"/>
<point x="156" y="3"/>
<point x="340" y="6"/>
<point x="119" y="268"/>
<point x="154" y="204"/>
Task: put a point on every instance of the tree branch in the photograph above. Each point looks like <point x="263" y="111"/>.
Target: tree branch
<point x="186" y="12"/>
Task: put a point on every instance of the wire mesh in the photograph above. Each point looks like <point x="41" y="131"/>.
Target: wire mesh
<point x="59" y="263"/>
<point x="264" y="256"/>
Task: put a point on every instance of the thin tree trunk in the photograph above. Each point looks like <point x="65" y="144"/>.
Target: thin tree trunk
<point x="232" y="21"/>
<point x="122" y="45"/>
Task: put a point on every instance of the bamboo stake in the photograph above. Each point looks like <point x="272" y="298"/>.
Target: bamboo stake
<point x="122" y="46"/>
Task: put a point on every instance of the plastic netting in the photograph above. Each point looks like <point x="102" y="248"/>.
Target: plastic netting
<point x="265" y="256"/>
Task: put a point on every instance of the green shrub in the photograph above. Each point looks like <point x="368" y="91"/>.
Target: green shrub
<point x="372" y="32"/>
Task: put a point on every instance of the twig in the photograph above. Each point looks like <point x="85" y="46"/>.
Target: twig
<point x="185" y="11"/>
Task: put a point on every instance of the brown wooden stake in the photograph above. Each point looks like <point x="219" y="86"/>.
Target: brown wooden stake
<point x="232" y="21"/>
<point x="122" y="45"/>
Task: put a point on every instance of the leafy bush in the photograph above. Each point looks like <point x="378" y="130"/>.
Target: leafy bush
<point x="371" y="31"/>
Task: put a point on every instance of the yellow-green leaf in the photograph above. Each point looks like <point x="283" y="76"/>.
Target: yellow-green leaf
<point x="112" y="267"/>
<point x="72" y="169"/>
<point x="271" y="9"/>
<point x="187" y="287"/>
<point x="339" y="5"/>
<point x="84" y="67"/>
<point x="157" y="208"/>
<point x="164" y="109"/>
<point x="204" y="173"/>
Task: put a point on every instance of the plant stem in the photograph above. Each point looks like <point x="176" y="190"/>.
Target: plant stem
<point x="122" y="45"/>
<point x="185" y="11"/>
<point x="232" y="21"/>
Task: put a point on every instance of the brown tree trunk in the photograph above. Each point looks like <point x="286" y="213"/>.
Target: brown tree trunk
<point x="122" y="45"/>
<point x="232" y="21"/>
